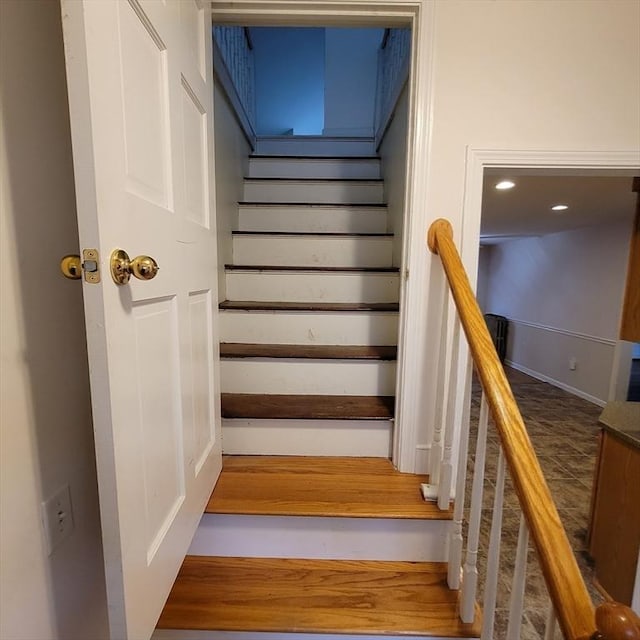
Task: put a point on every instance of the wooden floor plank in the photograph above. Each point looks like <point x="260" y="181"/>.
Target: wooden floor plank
<point x="308" y="351"/>
<point x="310" y="269"/>
<point x="314" y="596"/>
<point x="320" y="486"/>
<point x="306" y="407"/>
<point x="315" y="234"/>
<point x="251" y="305"/>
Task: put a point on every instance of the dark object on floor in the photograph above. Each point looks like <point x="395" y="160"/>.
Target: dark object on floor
<point x="498" y="328"/>
<point x="634" y="382"/>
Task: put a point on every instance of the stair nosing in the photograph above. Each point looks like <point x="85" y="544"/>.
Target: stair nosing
<point x="318" y="307"/>
<point x="314" y="269"/>
<point x="321" y="234"/>
<point x="315" y="158"/>
<point x="375" y="181"/>
<point x="285" y="411"/>
<point x="381" y="205"/>
<point x="270" y="351"/>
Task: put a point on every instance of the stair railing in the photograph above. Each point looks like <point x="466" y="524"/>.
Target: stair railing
<point x="234" y="68"/>
<point x="571" y="604"/>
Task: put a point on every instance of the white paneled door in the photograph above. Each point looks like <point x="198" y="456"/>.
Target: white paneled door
<point x="140" y="92"/>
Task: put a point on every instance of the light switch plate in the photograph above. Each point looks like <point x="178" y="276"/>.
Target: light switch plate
<point x="57" y="517"/>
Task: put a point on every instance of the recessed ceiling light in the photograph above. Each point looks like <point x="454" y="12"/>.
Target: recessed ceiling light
<point x="503" y="185"/>
<point x="559" y="207"/>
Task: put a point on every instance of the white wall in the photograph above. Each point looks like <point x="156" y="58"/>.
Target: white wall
<point x="393" y="153"/>
<point x="350" y="74"/>
<point x="523" y="75"/>
<point x="232" y="161"/>
<point x="563" y="296"/>
<point x="46" y="431"/>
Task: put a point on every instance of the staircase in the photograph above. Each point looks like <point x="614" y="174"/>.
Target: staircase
<point x="310" y="529"/>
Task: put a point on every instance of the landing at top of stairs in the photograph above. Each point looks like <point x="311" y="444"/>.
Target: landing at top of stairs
<point x="315" y="596"/>
<point x="320" y="486"/>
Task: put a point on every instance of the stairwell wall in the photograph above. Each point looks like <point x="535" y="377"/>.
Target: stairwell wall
<point x="232" y="151"/>
<point x="393" y="155"/>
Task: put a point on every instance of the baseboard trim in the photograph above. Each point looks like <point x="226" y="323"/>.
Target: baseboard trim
<point x="556" y="383"/>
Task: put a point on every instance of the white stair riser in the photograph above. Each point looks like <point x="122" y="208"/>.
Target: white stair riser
<point x="312" y="251"/>
<point x="309" y="327"/>
<point x="304" y="286"/>
<point x="331" y="192"/>
<point x="313" y="168"/>
<point x="332" y="377"/>
<point x="312" y="219"/>
<point x="181" y="634"/>
<point x="321" y="538"/>
<point x="315" y="146"/>
<point x="356" y="438"/>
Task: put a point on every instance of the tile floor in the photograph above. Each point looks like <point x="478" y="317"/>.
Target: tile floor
<point x="564" y="432"/>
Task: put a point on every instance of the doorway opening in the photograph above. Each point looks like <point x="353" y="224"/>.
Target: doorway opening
<point x="553" y="261"/>
<point x="311" y="137"/>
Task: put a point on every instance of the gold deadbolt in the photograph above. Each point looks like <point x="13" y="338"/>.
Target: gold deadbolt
<point x="141" y="267"/>
<point x="72" y="266"/>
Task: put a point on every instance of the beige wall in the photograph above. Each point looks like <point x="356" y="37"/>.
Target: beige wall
<point x="232" y="152"/>
<point x="46" y="432"/>
<point x="563" y="295"/>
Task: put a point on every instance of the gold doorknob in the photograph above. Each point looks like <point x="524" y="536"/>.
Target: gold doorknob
<point x="141" y="267"/>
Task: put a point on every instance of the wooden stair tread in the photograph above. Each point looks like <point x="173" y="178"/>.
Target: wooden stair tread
<point x="306" y="407"/>
<point x="314" y="205"/>
<point x="316" y="180"/>
<point x="251" y="305"/>
<point x="314" y="158"/>
<point x="262" y="203"/>
<point x="270" y="267"/>
<point x="339" y="487"/>
<point x="314" y="596"/>
<point x="314" y="234"/>
<point x="308" y="351"/>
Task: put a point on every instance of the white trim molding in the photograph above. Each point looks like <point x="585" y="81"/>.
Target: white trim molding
<point x="419" y="16"/>
<point x="567" y="332"/>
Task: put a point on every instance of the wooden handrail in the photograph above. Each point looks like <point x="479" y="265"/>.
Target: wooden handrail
<point x="567" y="590"/>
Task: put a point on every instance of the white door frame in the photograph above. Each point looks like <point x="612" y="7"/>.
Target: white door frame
<point x="419" y="15"/>
<point x="625" y="163"/>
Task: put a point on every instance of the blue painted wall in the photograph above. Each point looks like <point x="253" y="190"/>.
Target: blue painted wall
<point x="289" y="68"/>
<point x="351" y="69"/>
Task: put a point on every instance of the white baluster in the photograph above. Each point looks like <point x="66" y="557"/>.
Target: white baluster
<point x="456" y="541"/>
<point x="435" y="457"/>
<point x="446" y="469"/>
<point x="519" y="581"/>
<point x="470" y="569"/>
<point x="550" y="628"/>
<point x="493" y="557"/>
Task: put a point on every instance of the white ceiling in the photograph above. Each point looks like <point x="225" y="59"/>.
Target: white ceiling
<point x="525" y="210"/>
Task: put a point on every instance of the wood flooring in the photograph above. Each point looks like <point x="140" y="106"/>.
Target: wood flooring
<point x="314" y="596"/>
<point x="320" y="486"/>
<point x="307" y="351"/>
<point x="307" y="407"/>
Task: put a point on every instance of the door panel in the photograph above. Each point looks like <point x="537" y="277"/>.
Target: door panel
<point x="140" y="92"/>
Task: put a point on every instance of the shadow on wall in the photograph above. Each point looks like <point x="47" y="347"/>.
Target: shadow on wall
<point x="47" y="437"/>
